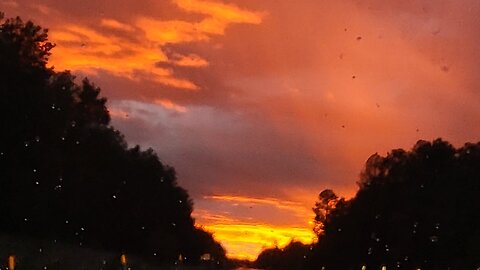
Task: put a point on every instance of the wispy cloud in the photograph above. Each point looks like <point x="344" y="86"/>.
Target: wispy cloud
<point x="114" y="24"/>
<point x="294" y="207"/>
<point x="190" y="60"/>
<point x="92" y="49"/>
<point x="168" y="104"/>
<point x="219" y="15"/>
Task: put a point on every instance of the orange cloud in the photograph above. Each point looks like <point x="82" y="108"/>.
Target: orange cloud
<point x="88" y="49"/>
<point x="174" y="31"/>
<point x="85" y="49"/>
<point x="295" y="207"/>
<point x="168" y="104"/>
<point x="220" y="15"/>
<point x="191" y="60"/>
<point x="114" y="24"/>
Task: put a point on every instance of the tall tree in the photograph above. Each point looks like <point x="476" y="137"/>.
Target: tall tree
<point x="67" y="174"/>
<point x="414" y="209"/>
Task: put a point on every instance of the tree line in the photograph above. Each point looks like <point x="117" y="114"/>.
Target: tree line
<point x="68" y="175"/>
<point x="416" y="209"/>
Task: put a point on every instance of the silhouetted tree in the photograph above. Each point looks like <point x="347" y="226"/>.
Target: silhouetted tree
<point x="291" y="257"/>
<point x="415" y="209"/>
<point x="327" y="201"/>
<point x="68" y="175"/>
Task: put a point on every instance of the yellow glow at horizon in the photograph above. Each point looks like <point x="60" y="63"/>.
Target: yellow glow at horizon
<point x="246" y="241"/>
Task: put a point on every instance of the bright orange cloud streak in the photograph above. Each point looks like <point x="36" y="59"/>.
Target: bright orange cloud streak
<point x="280" y="204"/>
<point x="86" y="49"/>
<point x="114" y="24"/>
<point x="168" y="104"/>
<point x="220" y="15"/>
<point x="175" y="31"/>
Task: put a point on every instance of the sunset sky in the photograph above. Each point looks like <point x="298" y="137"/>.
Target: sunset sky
<point x="261" y="104"/>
